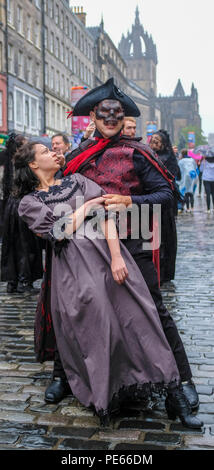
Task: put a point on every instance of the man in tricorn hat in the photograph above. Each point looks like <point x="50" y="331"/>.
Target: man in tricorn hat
<point x="130" y="173"/>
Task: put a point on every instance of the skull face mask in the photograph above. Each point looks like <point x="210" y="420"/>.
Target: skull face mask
<point x="110" y="111"/>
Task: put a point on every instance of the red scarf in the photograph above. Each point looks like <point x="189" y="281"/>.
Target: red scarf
<point x="74" y="164"/>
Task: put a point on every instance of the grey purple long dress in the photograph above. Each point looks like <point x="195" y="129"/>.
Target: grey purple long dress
<point x="109" y="336"/>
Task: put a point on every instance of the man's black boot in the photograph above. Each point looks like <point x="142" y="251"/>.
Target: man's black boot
<point x="57" y="390"/>
<point x="191" y="394"/>
<point x="177" y="405"/>
<point x="11" y="287"/>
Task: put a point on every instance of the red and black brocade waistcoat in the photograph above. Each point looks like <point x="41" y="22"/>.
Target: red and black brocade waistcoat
<point x="114" y="171"/>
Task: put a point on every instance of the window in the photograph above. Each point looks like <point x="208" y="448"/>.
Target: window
<point x="38" y="4"/>
<point x="82" y="43"/>
<point x="67" y="26"/>
<point x="62" y="52"/>
<point x="57" y="81"/>
<point x="19" y="108"/>
<point x="20" y="64"/>
<point x="34" y="114"/>
<point x="63" y="85"/>
<point x="52" y="43"/>
<point x="82" y="72"/>
<point x="10" y="107"/>
<point x="62" y="20"/>
<point x="67" y="57"/>
<point x="75" y="65"/>
<point x="37" y="75"/>
<point x="57" y="48"/>
<point x="10" y="12"/>
<point x="46" y="37"/>
<point x="40" y="118"/>
<point x="19" y="20"/>
<point x="53" y="114"/>
<point x="29" y="33"/>
<point x="27" y="112"/>
<point x="71" y="31"/>
<point x="58" y="116"/>
<point x="71" y="60"/>
<point x="29" y="70"/>
<point x="1" y="117"/>
<point x="57" y="14"/>
<point x="45" y="6"/>
<point x="75" y="35"/>
<point x="47" y="112"/>
<point x="51" y="8"/>
<point x="67" y="89"/>
<point x="46" y="73"/>
<point x="52" y="78"/>
<point x="37" y="34"/>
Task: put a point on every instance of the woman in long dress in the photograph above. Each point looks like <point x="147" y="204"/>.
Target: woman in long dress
<point x="108" y="333"/>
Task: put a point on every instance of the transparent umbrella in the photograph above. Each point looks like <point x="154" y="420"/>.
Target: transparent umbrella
<point x="201" y="149"/>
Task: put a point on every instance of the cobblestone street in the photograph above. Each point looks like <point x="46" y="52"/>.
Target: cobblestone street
<point x="26" y="422"/>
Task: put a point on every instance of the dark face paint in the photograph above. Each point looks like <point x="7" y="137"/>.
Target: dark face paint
<point x="110" y="111"/>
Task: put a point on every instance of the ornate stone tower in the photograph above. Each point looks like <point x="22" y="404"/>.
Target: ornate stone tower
<point x="139" y="52"/>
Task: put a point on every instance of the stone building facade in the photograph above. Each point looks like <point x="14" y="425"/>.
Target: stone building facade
<point x="68" y="61"/>
<point x="25" y="67"/>
<point x="108" y="61"/>
<point x="179" y="111"/>
<point x="171" y="113"/>
<point x="3" y="70"/>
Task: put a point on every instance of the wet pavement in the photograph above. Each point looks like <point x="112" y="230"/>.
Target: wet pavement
<point x="26" y="422"/>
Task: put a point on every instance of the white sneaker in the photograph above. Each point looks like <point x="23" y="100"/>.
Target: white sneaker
<point x="208" y="211"/>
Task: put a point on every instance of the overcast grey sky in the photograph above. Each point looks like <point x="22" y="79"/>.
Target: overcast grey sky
<point x="183" y="32"/>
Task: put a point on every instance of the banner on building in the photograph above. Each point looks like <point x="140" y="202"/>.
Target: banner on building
<point x="191" y="140"/>
<point x="79" y="123"/>
<point x="151" y="127"/>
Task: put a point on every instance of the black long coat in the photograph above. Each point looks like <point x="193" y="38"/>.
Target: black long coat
<point x="168" y="248"/>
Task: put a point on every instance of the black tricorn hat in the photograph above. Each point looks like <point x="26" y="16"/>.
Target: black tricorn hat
<point x="107" y="91"/>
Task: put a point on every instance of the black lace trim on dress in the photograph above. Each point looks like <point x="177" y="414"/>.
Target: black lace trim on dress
<point x="134" y="393"/>
<point x="58" y="189"/>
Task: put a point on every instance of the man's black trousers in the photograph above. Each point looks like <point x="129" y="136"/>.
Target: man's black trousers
<point x="147" y="268"/>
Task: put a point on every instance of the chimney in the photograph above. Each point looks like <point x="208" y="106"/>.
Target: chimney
<point x="78" y="11"/>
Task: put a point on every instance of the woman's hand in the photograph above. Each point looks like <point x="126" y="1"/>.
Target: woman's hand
<point x="117" y="202"/>
<point x="119" y="269"/>
<point x="95" y="203"/>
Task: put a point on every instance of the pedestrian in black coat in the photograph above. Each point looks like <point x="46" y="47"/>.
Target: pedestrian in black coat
<point x="160" y="143"/>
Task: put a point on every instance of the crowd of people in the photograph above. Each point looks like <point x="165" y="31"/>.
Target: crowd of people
<point x="100" y="296"/>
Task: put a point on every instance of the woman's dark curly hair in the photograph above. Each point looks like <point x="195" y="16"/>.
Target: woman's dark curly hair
<point x="25" y="180"/>
<point x="167" y="146"/>
<point x="14" y="142"/>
